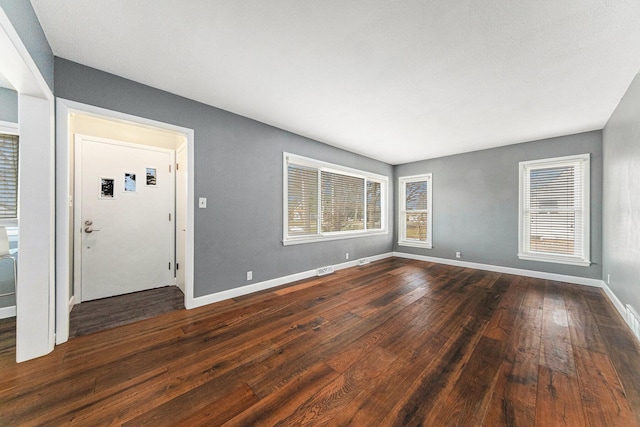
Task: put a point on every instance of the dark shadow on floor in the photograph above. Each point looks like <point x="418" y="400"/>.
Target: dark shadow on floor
<point x="99" y="315"/>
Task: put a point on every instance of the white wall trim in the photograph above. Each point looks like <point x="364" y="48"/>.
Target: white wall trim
<point x="35" y="316"/>
<point x="279" y="281"/>
<point x="10" y="128"/>
<point x="614" y="300"/>
<point x="6" y="312"/>
<point x="72" y="302"/>
<point x="509" y="270"/>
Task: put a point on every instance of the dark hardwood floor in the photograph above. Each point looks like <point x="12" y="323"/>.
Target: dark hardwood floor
<point x="106" y="313"/>
<point x="397" y="342"/>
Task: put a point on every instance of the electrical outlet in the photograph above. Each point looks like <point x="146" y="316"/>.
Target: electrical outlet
<point x="458" y="255"/>
<point x="346" y="255"/>
<point x="249" y="275"/>
<point x="202" y="202"/>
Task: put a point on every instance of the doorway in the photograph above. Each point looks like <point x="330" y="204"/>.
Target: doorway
<point x="124" y="217"/>
<point x="124" y="174"/>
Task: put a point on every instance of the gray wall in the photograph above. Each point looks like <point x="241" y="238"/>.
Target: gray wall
<point x="24" y="20"/>
<point x="475" y="203"/>
<point x="238" y="167"/>
<point x="621" y="208"/>
<point x="8" y="105"/>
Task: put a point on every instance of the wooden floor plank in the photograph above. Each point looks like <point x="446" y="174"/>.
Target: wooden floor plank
<point x="603" y="396"/>
<point x="396" y="342"/>
<point x="558" y="402"/>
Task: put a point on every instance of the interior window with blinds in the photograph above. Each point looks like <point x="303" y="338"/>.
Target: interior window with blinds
<point x="554" y="210"/>
<point x="8" y="179"/>
<point x="324" y="201"/>
<point x="415" y="217"/>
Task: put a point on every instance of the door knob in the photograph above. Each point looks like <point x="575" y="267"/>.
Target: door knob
<point x="89" y="229"/>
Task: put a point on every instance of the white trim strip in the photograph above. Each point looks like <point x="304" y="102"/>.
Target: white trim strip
<point x="6" y="312"/>
<point x="509" y="270"/>
<point x="72" y="302"/>
<point x="267" y="284"/>
<point x="614" y="300"/>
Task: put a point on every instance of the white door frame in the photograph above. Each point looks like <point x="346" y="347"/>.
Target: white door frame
<point x="180" y="210"/>
<point x="64" y="203"/>
<point x="77" y="246"/>
<point x="35" y="290"/>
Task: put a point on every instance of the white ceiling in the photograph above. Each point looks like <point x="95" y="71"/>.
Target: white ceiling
<point x="394" y="80"/>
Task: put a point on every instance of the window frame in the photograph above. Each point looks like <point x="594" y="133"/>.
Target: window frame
<point x="525" y="253"/>
<point x="10" y="128"/>
<point x="322" y="166"/>
<point x="402" y="210"/>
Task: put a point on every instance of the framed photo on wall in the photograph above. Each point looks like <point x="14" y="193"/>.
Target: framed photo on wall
<point x="129" y="182"/>
<point x="151" y="177"/>
<point x="106" y="188"/>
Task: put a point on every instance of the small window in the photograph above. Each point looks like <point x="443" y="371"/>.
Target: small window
<point x="554" y="210"/>
<point x="323" y="201"/>
<point x="415" y="219"/>
<point x="8" y="179"/>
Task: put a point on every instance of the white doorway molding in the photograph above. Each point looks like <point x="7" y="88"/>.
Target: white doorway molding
<point x="64" y="202"/>
<point x="35" y="290"/>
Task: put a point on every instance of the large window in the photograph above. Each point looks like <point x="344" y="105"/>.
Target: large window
<point x="8" y="179"/>
<point x="323" y="201"/>
<point x="415" y="215"/>
<point x="554" y="210"/>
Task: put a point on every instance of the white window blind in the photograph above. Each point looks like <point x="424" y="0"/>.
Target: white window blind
<point x="303" y="200"/>
<point x="324" y="201"/>
<point x="342" y="202"/>
<point x="554" y="210"/>
<point x="374" y="205"/>
<point x="8" y="177"/>
<point x="415" y="211"/>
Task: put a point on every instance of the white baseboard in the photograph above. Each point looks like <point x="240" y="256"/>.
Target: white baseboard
<point x="509" y="270"/>
<point x="278" y="281"/>
<point x="6" y="312"/>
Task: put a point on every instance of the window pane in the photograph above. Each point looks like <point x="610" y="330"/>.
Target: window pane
<point x="553" y="232"/>
<point x="8" y="176"/>
<point x="303" y="200"/>
<point x="554" y="200"/>
<point x="553" y="188"/>
<point x="416" y="224"/>
<point x="416" y="195"/>
<point x="374" y="205"/>
<point x="342" y="202"/>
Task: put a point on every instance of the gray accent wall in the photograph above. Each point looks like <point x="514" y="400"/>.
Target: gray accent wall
<point x="475" y="203"/>
<point x="8" y="105"/>
<point x="24" y="20"/>
<point x="621" y="208"/>
<point x="238" y="167"/>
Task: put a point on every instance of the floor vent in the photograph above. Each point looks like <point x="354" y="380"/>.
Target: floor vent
<point x="633" y="319"/>
<point x="363" y="261"/>
<point x="325" y="270"/>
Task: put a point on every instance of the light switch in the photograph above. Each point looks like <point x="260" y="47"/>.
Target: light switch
<point x="202" y="202"/>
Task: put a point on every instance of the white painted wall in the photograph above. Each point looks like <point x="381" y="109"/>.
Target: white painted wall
<point x="36" y="205"/>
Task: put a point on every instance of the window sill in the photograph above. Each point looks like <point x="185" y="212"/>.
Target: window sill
<point x="425" y="245"/>
<point x="555" y="260"/>
<point x="330" y="237"/>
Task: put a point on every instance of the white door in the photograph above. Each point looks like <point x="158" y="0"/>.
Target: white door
<point x="181" y="214"/>
<point x="126" y="217"/>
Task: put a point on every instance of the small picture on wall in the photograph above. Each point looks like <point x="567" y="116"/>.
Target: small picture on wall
<point x="151" y="176"/>
<point x="129" y="182"/>
<point x="106" y="188"/>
